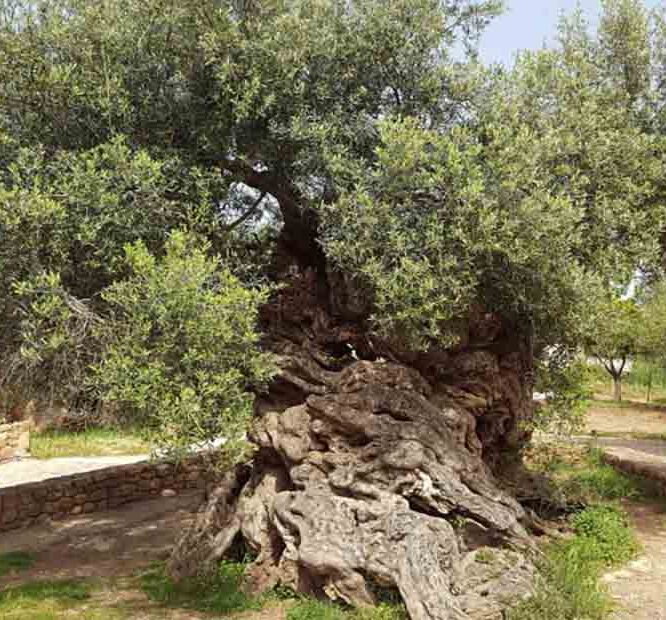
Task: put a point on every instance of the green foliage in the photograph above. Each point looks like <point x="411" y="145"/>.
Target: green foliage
<point x="531" y="211"/>
<point x="182" y="348"/>
<point x="15" y="561"/>
<point x="221" y="594"/>
<point x="569" y="588"/>
<point x="592" y="480"/>
<point x="310" y="609"/>
<point x="606" y="531"/>
<point x="616" y="334"/>
<point x="565" y="384"/>
<point x="444" y="189"/>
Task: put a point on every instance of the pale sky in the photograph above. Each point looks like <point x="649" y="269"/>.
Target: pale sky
<point x="528" y="23"/>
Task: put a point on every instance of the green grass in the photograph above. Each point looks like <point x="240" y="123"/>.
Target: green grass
<point x="569" y="586"/>
<point x="310" y="609"/>
<point x="221" y="594"/>
<point x="588" y="480"/>
<point x="50" y="600"/>
<point x="15" y="561"/>
<point x="92" y="442"/>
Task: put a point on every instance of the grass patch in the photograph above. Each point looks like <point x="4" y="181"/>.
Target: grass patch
<point x="15" y="561"/>
<point x="569" y="587"/>
<point x="310" y="609"/>
<point x="223" y="595"/>
<point x="91" y="442"/>
<point x="47" y="600"/>
<point x="220" y="594"/>
<point x="579" y="476"/>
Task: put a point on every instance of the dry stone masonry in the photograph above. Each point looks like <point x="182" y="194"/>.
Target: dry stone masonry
<point x="57" y="498"/>
<point x="14" y="440"/>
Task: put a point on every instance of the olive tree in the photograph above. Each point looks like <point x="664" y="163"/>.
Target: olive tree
<point x="431" y="226"/>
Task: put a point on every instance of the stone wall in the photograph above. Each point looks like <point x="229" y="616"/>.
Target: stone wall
<point x="57" y="498"/>
<point x="14" y="440"/>
<point x="637" y="463"/>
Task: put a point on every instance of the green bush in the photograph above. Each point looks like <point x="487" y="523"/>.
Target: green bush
<point x="183" y="351"/>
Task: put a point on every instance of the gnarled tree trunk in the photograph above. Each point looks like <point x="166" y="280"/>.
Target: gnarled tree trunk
<point x="374" y="466"/>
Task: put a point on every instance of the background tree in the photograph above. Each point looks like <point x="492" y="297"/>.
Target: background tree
<point x="616" y="340"/>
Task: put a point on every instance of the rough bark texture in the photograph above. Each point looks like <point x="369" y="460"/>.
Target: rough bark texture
<point x="374" y="467"/>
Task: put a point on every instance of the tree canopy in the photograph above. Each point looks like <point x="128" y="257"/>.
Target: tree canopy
<point x="362" y="138"/>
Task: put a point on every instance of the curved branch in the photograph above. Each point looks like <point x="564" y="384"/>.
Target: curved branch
<point x="248" y="214"/>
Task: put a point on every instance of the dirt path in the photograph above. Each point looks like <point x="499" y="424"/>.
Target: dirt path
<point x="113" y="548"/>
<point x="639" y="588"/>
<point x="630" y="417"/>
<point x="104" y="544"/>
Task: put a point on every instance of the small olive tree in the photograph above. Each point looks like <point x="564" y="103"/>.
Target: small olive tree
<point x="615" y="338"/>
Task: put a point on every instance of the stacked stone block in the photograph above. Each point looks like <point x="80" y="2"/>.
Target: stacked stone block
<point x="14" y="440"/>
<point x="88" y="492"/>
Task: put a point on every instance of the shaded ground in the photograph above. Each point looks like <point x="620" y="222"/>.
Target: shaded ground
<point x="113" y="548"/>
<point x="104" y="544"/>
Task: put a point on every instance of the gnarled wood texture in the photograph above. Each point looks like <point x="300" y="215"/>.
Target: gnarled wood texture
<point x="376" y="472"/>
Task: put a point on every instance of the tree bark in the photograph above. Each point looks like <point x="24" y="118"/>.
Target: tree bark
<point x="617" y="388"/>
<point x="374" y="466"/>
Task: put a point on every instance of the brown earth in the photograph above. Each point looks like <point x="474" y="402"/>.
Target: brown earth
<point x="113" y="547"/>
<point x="630" y="418"/>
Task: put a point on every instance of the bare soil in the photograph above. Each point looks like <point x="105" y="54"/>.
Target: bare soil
<point x="113" y="547"/>
<point x="630" y="418"/>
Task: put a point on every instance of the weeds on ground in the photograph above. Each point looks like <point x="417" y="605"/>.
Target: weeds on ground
<point x="569" y="587"/>
<point x="49" y="600"/>
<point x="310" y="609"/>
<point x="579" y="476"/>
<point x="221" y="593"/>
<point x="91" y="442"/>
<point x="15" y="561"/>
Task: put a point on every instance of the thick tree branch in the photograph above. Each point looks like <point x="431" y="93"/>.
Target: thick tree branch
<point x="248" y="214"/>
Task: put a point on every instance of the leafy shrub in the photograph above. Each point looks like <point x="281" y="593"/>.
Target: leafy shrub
<point x="183" y="351"/>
